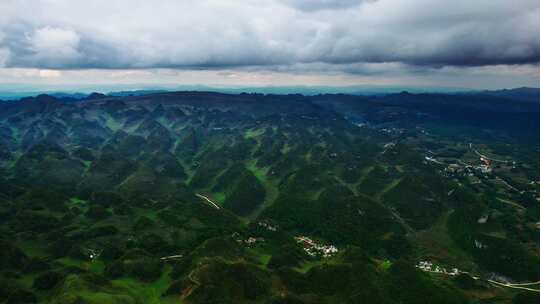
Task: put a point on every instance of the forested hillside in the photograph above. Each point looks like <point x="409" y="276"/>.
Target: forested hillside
<point x="214" y="198"/>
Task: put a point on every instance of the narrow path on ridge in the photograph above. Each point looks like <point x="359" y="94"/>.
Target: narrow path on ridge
<point x="208" y="200"/>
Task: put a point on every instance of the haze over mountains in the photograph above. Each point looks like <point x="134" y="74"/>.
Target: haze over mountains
<point x="9" y="93"/>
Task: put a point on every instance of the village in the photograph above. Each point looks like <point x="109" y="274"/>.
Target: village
<point x="251" y="241"/>
<point x="479" y="169"/>
<point x="428" y="266"/>
<point x="314" y="249"/>
<point x="310" y="247"/>
<point x="267" y="226"/>
<point x="494" y="279"/>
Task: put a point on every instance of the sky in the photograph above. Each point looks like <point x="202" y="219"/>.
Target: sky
<point x="481" y="44"/>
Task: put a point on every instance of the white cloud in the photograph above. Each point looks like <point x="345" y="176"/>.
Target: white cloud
<point x="50" y="74"/>
<point x="44" y="47"/>
<point x="50" y="42"/>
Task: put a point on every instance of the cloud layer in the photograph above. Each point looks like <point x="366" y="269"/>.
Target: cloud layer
<point x="279" y="34"/>
<point x="315" y="5"/>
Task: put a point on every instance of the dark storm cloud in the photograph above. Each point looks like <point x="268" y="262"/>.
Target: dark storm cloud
<point x="348" y="35"/>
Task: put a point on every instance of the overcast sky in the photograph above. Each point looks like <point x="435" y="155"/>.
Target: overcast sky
<point x="459" y="43"/>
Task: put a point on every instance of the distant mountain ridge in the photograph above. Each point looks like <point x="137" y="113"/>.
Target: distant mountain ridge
<point x="16" y="92"/>
<point x="75" y="95"/>
<point x="523" y="93"/>
<point x="516" y="115"/>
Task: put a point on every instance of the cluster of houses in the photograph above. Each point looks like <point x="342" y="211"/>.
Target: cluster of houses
<point x="468" y="170"/>
<point x="253" y="240"/>
<point x="249" y="241"/>
<point x="396" y="131"/>
<point x="484" y="170"/>
<point x="267" y="226"/>
<point x="314" y="249"/>
<point x="428" y="266"/>
<point x="484" y="167"/>
<point x="246" y="241"/>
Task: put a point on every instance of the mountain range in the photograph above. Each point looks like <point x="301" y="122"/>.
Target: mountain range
<point x="207" y="197"/>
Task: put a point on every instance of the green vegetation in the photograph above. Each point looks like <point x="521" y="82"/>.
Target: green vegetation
<point x="103" y="202"/>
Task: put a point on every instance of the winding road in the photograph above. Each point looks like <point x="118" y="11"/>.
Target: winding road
<point x="515" y="286"/>
<point x="500" y="284"/>
<point x="486" y="157"/>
